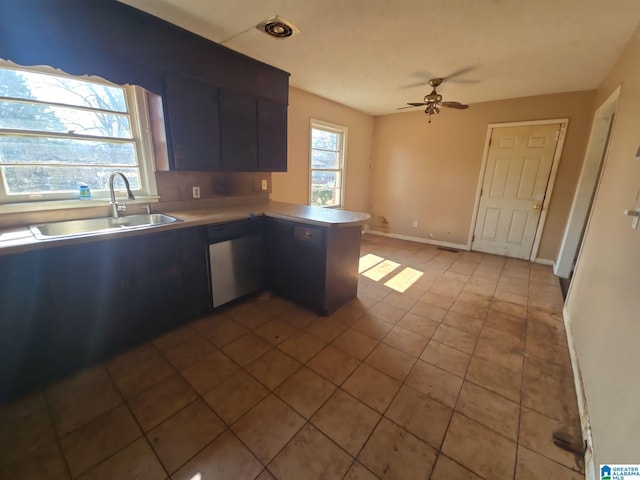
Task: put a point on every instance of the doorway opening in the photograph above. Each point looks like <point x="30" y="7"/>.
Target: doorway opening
<point x="586" y="189"/>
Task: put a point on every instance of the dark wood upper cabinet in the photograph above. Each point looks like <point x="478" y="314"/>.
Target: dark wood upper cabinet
<point x="125" y="45"/>
<point x="253" y="132"/>
<point x="213" y="128"/>
<point x="272" y="136"/>
<point x="238" y="130"/>
<point x="245" y="130"/>
<point x="193" y="127"/>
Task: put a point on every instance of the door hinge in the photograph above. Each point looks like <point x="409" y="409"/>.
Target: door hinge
<point x="481" y="191"/>
<point x="473" y="239"/>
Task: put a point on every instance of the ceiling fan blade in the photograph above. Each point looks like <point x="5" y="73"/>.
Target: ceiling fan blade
<point x="414" y="85"/>
<point x="422" y="77"/>
<point x="457" y="73"/>
<point x="457" y="105"/>
<point x="412" y="105"/>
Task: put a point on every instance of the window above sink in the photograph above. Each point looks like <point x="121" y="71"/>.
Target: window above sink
<point x="58" y="131"/>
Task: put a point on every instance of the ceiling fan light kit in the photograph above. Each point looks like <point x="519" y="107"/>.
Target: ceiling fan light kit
<point x="433" y="101"/>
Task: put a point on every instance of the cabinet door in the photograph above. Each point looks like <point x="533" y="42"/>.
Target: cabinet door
<point x="25" y="328"/>
<point x="88" y="306"/>
<point x="272" y="136"/>
<point x="280" y="264"/>
<point x="296" y="262"/>
<point x="195" y="272"/>
<point x="193" y="123"/>
<point x="154" y="295"/>
<point x="238" y="131"/>
<point x="154" y="292"/>
<point x="309" y="266"/>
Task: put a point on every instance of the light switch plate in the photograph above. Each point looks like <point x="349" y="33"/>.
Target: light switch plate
<point x="264" y="184"/>
<point x="636" y="216"/>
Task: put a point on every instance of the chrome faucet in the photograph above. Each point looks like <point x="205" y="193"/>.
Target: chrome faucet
<point x="115" y="208"/>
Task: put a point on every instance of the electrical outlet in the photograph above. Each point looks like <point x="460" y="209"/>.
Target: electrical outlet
<point x="196" y="192"/>
<point x="415" y="224"/>
<point x="264" y="184"/>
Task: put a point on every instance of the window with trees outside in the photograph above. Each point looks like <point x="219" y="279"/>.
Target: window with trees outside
<point x="57" y="132"/>
<point x="328" y="147"/>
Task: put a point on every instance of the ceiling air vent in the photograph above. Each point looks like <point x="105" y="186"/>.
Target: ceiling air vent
<point x="277" y="27"/>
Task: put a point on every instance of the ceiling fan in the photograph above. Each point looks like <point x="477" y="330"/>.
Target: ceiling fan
<point x="433" y="101"/>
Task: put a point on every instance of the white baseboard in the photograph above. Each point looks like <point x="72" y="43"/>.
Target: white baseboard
<point x="544" y="261"/>
<point x="590" y="470"/>
<point x="437" y="243"/>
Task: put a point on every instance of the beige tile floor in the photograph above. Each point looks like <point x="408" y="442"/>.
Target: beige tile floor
<point x="464" y="375"/>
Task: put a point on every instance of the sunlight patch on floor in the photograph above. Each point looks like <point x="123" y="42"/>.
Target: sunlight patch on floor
<point x="367" y="261"/>
<point x="381" y="270"/>
<point x="403" y="280"/>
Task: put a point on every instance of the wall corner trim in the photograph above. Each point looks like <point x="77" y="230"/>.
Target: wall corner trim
<point x="590" y="469"/>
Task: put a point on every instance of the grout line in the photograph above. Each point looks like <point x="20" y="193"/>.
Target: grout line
<point x="522" y="377"/>
<point x="200" y="396"/>
<point x="401" y="252"/>
<point x="453" y="409"/>
<point x="55" y="431"/>
<point x="126" y="403"/>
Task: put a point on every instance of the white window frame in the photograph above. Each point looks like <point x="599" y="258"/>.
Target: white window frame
<point x="334" y="128"/>
<point x="138" y="111"/>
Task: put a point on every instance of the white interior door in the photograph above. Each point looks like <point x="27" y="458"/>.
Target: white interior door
<point x="514" y="184"/>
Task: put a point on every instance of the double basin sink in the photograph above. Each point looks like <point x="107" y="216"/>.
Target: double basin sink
<point x="101" y="225"/>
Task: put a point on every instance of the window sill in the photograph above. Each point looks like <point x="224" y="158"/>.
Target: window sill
<point x="69" y="204"/>
<point x="330" y="207"/>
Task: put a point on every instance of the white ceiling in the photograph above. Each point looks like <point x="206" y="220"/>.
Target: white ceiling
<point x="367" y="53"/>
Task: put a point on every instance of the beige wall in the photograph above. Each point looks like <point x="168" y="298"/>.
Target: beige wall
<point x="430" y="172"/>
<point x="603" y="307"/>
<point x="293" y="186"/>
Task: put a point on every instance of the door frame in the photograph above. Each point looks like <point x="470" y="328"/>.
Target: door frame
<point x="564" y="122"/>
<point x="586" y="190"/>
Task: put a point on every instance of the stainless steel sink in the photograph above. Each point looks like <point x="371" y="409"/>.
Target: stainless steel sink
<point x="92" y="226"/>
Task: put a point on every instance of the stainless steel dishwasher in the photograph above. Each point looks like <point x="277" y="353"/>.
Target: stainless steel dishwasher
<point x="236" y="259"/>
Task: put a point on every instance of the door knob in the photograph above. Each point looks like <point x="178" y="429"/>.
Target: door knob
<point x="537" y="206"/>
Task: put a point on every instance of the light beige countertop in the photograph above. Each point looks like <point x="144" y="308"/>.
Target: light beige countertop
<point x="20" y="239"/>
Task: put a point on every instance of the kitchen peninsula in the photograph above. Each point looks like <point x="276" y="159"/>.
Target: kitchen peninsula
<point x="67" y="302"/>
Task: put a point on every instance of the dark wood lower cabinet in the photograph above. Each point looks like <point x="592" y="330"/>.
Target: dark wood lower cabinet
<point x="66" y="307"/>
<point x="87" y="304"/>
<point x="314" y="266"/>
<point x="63" y="308"/>
<point x="26" y="349"/>
<point x="194" y="271"/>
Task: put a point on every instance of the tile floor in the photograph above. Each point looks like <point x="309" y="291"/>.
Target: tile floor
<point x="465" y="375"/>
